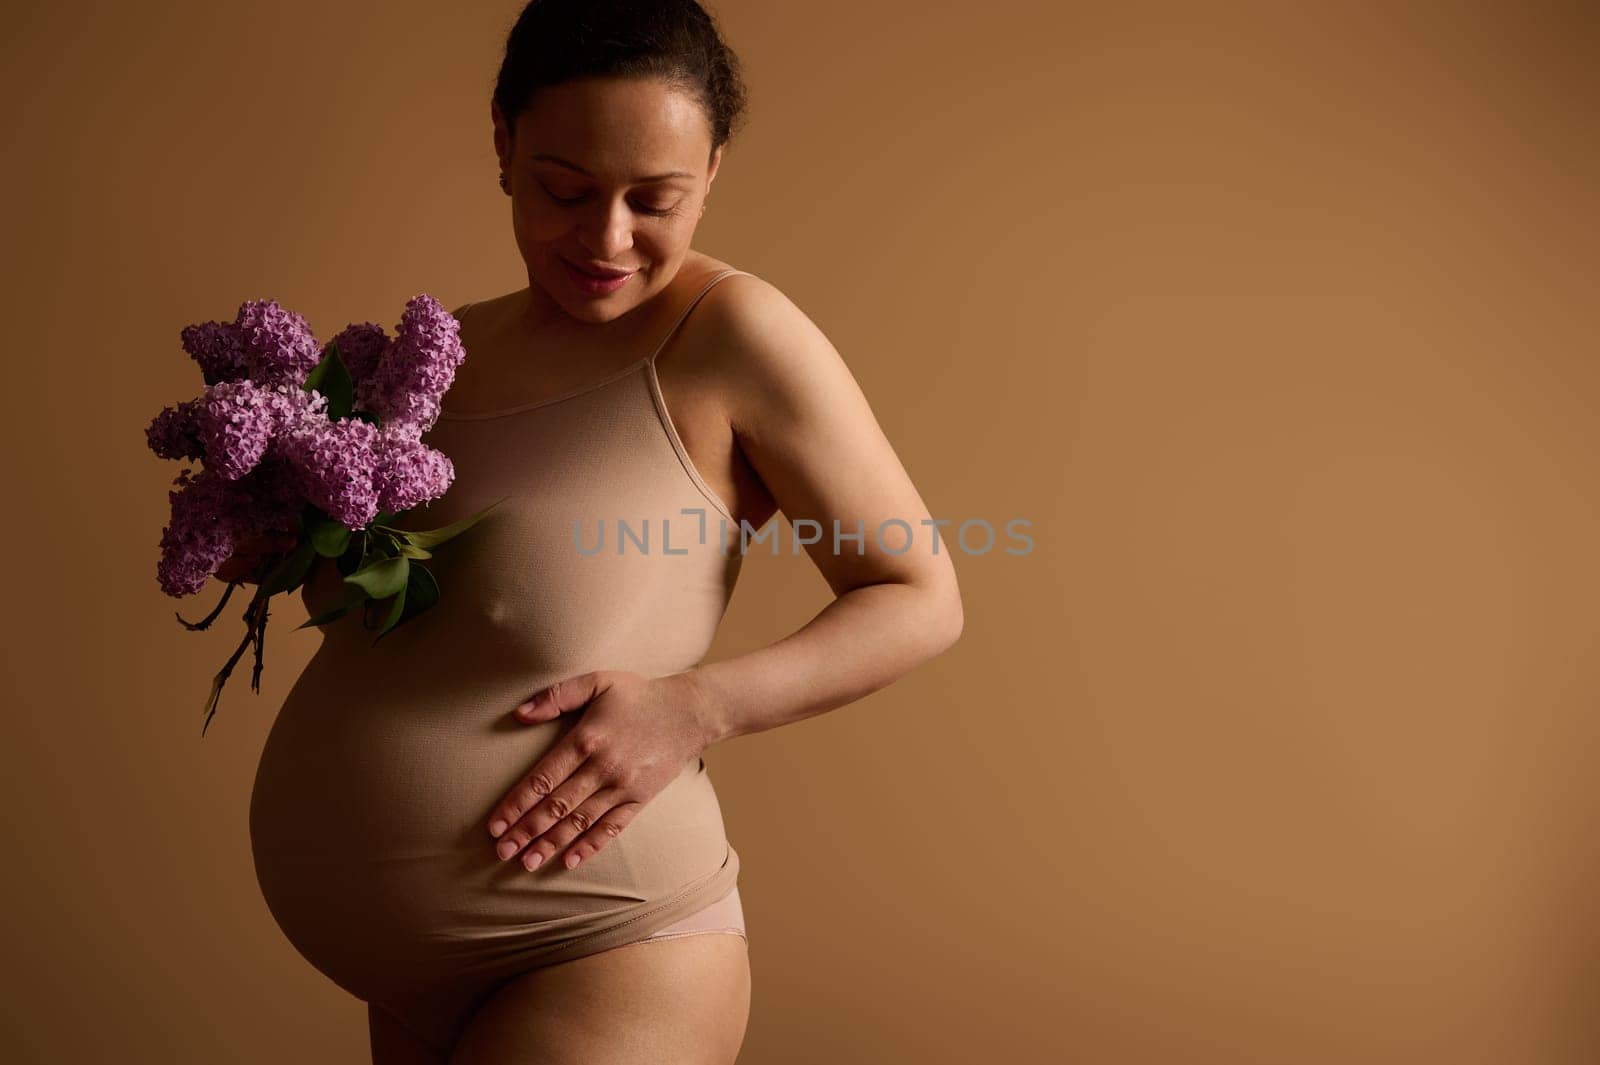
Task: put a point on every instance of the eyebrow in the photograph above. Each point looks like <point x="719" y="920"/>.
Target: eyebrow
<point x="546" y="157"/>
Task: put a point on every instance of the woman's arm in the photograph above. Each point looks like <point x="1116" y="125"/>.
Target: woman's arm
<point x="807" y="430"/>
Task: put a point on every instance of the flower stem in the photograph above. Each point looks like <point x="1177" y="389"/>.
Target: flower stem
<point x="205" y="622"/>
<point x="255" y="618"/>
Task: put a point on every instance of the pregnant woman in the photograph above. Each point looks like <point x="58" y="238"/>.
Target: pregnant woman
<point x="495" y="826"/>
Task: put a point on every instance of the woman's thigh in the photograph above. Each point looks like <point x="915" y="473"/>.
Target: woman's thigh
<point x="676" y="1001"/>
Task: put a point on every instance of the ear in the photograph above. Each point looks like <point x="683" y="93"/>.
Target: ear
<point x="502" y="134"/>
<point x="711" y="174"/>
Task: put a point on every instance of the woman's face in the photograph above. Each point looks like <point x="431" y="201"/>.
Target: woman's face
<point x="604" y="172"/>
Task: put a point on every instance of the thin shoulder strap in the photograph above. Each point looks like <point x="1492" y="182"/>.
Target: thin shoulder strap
<point x="685" y="313"/>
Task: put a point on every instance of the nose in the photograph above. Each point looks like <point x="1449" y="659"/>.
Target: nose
<point x="606" y="231"/>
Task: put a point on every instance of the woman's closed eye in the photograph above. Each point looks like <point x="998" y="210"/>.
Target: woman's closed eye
<point x="658" y="212"/>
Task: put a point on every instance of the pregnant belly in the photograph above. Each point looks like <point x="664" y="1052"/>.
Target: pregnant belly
<point x="367" y="827"/>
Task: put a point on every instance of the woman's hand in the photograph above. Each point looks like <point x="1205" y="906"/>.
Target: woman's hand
<point x="636" y="735"/>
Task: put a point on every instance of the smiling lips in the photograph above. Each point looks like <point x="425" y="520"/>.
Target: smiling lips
<point x="590" y="285"/>
<point x="605" y="273"/>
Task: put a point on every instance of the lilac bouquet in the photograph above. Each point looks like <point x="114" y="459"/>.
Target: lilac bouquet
<point x="316" y="446"/>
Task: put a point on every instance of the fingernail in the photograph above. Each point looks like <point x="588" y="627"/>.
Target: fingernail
<point x="532" y="860"/>
<point x="496" y="827"/>
<point x="572" y="860"/>
<point x="506" y="849"/>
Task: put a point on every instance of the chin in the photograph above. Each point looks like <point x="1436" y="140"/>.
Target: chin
<point x="595" y="315"/>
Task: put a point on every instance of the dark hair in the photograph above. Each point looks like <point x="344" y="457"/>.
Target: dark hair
<point x="559" y="40"/>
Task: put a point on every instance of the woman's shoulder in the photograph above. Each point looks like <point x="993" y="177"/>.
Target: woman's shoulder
<point x="724" y="298"/>
<point x="480" y="307"/>
<point x="704" y="268"/>
<point x="756" y="345"/>
<point x="736" y="300"/>
<point x="745" y="307"/>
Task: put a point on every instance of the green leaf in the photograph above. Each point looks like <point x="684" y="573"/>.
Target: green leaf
<point x="435" y="537"/>
<point x="332" y="379"/>
<point x="395" y="610"/>
<point x="422" y="592"/>
<point x="330" y="537"/>
<point x="287" y="575"/>
<point x="383" y="577"/>
<point x="410" y="550"/>
<point x="350" y="561"/>
<point x="313" y="381"/>
<point x="377" y="548"/>
<point x="389" y="538"/>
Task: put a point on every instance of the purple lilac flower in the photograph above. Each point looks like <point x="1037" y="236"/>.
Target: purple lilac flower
<point x="211" y="514"/>
<point x="407" y="471"/>
<point x="219" y="349"/>
<point x="271" y="496"/>
<point x="202" y="533"/>
<point x="336" y="464"/>
<point x="417" y="368"/>
<point x="292" y="406"/>
<point x="269" y="447"/>
<point x="175" y="432"/>
<point x="237" y="420"/>
<point x="360" y="348"/>
<point x="278" y="344"/>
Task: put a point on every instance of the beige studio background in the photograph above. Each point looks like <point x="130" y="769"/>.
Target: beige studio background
<point x="1276" y="321"/>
